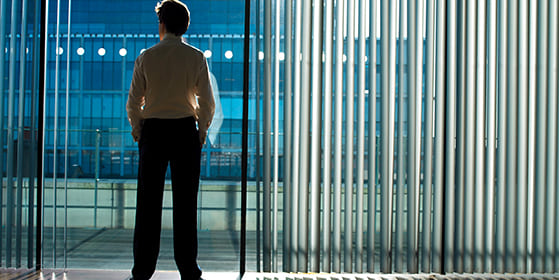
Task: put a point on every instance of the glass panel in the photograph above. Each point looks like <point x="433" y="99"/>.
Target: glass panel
<point x="19" y="88"/>
<point x="92" y="158"/>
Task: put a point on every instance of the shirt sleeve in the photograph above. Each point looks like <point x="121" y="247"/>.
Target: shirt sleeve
<point x="136" y="99"/>
<point x="206" y="102"/>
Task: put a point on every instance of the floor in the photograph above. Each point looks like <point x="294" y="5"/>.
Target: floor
<point x="112" y="249"/>
<point x="106" y="254"/>
<point x="12" y="274"/>
<point x="94" y="254"/>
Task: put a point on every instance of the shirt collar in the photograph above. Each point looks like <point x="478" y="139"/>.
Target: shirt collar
<point x="171" y="36"/>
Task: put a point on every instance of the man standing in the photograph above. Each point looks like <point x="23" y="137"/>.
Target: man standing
<point x="169" y="96"/>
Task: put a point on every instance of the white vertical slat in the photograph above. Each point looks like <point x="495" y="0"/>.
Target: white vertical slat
<point x="428" y="135"/>
<point x="277" y="15"/>
<point x="43" y="83"/>
<point x="522" y="133"/>
<point x="349" y="132"/>
<point x="296" y="137"/>
<point x="460" y="136"/>
<point x="500" y="220"/>
<point x="541" y="138"/>
<point x="287" y="135"/>
<point x="480" y="140"/>
<point x="415" y="23"/>
<point x="371" y="199"/>
<point x="305" y="137"/>
<point x="388" y="92"/>
<point x="551" y="178"/>
<point x="399" y="252"/>
<point x="470" y="139"/>
<point x="450" y="140"/>
<point x="327" y="175"/>
<point x="337" y="221"/>
<point x="531" y="135"/>
<point x="316" y="144"/>
<point x="438" y="247"/>
<point x="360" y="138"/>
<point x="489" y="229"/>
<point x="512" y="156"/>
<point x="554" y="76"/>
<point x="400" y="222"/>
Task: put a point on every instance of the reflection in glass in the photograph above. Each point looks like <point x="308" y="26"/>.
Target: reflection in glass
<point x="228" y="54"/>
<point x="98" y="168"/>
<point x="122" y="52"/>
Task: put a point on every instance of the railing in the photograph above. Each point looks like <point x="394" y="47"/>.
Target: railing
<point x="107" y="153"/>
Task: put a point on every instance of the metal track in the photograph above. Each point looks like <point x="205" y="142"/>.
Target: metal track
<point x="454" y="276"/>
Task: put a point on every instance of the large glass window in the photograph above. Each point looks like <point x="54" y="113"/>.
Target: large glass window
<point x="19" y="92"/>
<point x="90" y="157"/>
<point x="383" y="136"/>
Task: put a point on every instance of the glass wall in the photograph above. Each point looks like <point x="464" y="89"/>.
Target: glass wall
<point x="105" y="39"/>
<point x="20" y="51"/>
<point x="90" y="159"/>
<point x="384" y="136"/>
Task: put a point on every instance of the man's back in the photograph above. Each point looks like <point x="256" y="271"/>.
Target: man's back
<point x="167" y="80"/>
<point x="171" y="69"/>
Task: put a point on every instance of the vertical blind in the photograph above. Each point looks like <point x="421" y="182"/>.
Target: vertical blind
<point x="20" y="52"/>
<point x="418" y="136"/>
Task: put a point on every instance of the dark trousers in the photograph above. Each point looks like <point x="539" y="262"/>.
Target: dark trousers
<point x="165" y="141"/>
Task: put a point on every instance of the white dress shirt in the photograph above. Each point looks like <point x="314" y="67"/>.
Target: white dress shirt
<point x="170" y="81"/>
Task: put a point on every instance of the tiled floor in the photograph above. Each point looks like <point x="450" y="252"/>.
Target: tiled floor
<point x="112" y="249"/>
<point x="11" y="274"/>
<point x="106" y="254"/>
<point x="7" y="274"/>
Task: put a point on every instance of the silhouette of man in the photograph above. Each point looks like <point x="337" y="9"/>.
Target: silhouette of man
<point x="170" y="107"/>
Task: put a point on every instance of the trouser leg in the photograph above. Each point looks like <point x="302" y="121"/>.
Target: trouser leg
<point x="151" y="180"/>
<point x="185" y="174"/>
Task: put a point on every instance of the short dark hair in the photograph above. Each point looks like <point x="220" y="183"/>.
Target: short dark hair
<point x="174" y="14"/>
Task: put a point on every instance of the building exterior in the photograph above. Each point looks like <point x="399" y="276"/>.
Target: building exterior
<point x="105" y="39"/>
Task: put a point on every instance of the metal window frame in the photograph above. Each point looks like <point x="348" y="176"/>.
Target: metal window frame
<point x="40" y="144"/>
